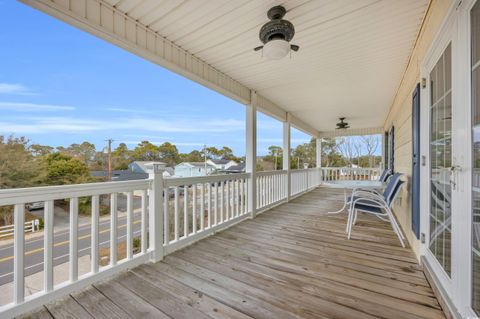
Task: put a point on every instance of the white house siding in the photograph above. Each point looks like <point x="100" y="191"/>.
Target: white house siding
<point x="400" y="114"/>
<point x="188" y="170"/>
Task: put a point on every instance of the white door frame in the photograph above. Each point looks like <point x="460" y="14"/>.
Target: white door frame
<point x="455" y="30"/>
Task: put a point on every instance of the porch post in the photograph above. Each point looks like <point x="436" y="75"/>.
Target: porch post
<point x="251" y="152"/>
<point x="319" y="160"/>
<point x="155" y="214"/>
<point x="286" y="155"/>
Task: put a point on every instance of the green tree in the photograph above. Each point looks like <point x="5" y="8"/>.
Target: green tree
<point x="121" y="157"/>
<point x="84" y="152"/>
<point x="226" y="153"/>
<point x="275" y="156"/>
<point x="193" y="156"/>
<point x="168" y="153"/>
<point x="211" y="152"/>
<point x="18" y="166"/>
<point x="64" y="169"/>
<point x="41" y="150"/>
<point x="146" y="151"/>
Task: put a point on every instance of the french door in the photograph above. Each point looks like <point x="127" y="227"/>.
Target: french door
<point x="451" y="134"/>
<point x="441" y="169"/>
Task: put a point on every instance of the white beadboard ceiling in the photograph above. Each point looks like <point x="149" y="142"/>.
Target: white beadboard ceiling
<point x="352" y="52"/>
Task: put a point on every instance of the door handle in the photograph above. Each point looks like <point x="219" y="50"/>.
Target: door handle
<point x="454" y="170"/>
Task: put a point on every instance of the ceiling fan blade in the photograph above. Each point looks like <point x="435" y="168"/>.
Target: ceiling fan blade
<point x="258" y="48"/>
<point x="294" y="47"/>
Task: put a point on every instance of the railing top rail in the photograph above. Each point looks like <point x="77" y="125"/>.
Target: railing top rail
<point x="350" y="168"/>
<point x="45" y="193"/>
<point x="270" y="173"/>
<point x="204" y="179"/>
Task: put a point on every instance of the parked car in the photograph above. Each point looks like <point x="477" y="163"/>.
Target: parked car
<point x="35" y="205"/>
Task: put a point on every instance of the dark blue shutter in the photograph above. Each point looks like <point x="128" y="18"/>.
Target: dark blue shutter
<point x="416" y="161"/>
<point x="391" y="149"/>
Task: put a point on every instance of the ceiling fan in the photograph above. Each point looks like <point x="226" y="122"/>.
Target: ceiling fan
<point x="276" y="35"/>
<point x="342" y="125"/>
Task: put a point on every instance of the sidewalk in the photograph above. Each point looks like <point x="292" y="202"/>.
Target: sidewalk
<point x="34" y="283"/>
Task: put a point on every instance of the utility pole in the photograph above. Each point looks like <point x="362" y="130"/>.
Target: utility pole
<point x="109" y="150"/>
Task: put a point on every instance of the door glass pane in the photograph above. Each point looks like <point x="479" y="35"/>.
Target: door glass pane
<point x="441" y="159"/>
<point x="475" y="17"/>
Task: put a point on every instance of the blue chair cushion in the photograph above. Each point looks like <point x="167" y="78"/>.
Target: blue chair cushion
<point x="368" y="208"/>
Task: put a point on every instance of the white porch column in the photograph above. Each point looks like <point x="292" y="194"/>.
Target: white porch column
<point x="319" y="152"/>
<point x="319" y="160"/>
<point x="286" y="155"/>
<point x="155" y="214"/>
<point x="251" y="153"/>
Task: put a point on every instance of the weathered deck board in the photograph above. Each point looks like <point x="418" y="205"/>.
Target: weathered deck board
<point x="293" y="261"/>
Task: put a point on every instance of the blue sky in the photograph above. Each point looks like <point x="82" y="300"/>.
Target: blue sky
<point x="60" y="85"/>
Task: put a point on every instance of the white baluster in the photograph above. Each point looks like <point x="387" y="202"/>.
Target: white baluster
<point x="176" y="217"/>
<point x="48" y="246"/>
<point x="18" y="254"/>
<point x="144" y="225"/>
<point x="185" y="211"/>
<point x="194" y="208"/>
<point x="113" y="228"/>
<point x="94" y="239"/>
<point x="129" y="225"/>
<point x="73" y="262"/>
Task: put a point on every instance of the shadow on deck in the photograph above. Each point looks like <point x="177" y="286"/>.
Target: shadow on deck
<point x="293" y="261"/>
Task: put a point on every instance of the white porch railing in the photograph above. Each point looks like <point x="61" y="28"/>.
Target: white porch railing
<point x="202" y="205"/>
<point x="271" y="188"/>
<point x="303" y="180"/>
<point x="349" y="173"/>
<point x="174" y="213"/>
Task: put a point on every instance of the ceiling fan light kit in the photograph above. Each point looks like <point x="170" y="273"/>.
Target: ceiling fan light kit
<point x="276" y="35"/>
<point x="342" y="125"/>
<point x="276" y="49"/>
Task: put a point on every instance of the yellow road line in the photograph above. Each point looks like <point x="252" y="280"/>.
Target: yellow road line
<point x="64" y="242"/>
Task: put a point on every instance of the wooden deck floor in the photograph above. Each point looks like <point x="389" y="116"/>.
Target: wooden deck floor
<point x="293" y="261"/>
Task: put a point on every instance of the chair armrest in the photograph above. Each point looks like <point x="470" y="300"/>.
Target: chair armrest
<point x="370" y="190"/>
<point x="370" y="202"/>
<point x="362" y="195"/>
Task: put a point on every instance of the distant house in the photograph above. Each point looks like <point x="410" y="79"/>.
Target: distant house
<point x="136" y="170"/>
<point x="119" y="175"/>
<point x="235" y="169"/>
<point x="221" y="164"/>
<point x="189" y="169"/>
<point x="141" y="167"/>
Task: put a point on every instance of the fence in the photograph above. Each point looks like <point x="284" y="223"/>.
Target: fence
<point x="30" y="227"/>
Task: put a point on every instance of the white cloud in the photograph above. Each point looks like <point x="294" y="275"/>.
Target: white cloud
<point x="160" y="143"/>
<point x="76" y="125"/>
<point x="280" y="141"/>
<point x="14" y="88"/>
<point x="123" y="110"/>
<point x="29" y="107"/>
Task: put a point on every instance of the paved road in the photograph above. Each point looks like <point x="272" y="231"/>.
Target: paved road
<point x="34" y="247"/>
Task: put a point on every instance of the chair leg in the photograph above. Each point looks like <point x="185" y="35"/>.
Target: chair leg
<point x="355" y="217"/>
<point x="350" y="224"/>
<point x="349" y="217"/>
<point x="395" y="227"/>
